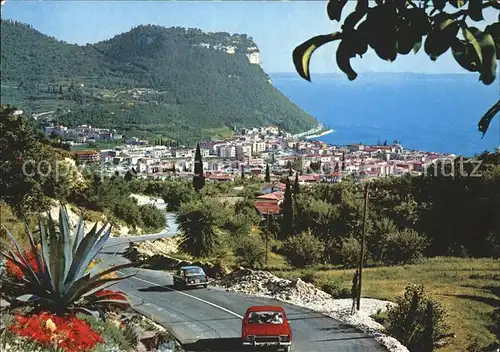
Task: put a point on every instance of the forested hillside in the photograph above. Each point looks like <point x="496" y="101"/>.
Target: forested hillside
<point x="151" y="81"/>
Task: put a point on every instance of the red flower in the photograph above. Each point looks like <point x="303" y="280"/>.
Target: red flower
<point x="71" y="333"/>
<point x="15" y="271"/>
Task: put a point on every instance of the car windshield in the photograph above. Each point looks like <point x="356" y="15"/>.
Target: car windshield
<point x="266" y="317"/>
<point x="193" y="271"/>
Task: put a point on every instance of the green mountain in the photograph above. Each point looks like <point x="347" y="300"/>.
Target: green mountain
<point x="149" y="82"/>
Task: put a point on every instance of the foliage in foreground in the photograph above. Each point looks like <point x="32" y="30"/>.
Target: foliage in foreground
<point x="416" y="321"/>
<point x="56" y="277"/>
<point x="398" y="27"/>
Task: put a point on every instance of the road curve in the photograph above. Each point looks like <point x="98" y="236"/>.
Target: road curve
<point x="210" y="319"/>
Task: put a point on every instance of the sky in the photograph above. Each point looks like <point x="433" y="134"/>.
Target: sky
<point x="276" y="26"/>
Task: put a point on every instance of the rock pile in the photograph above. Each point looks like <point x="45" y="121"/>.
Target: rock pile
<point x="263" y="282"/>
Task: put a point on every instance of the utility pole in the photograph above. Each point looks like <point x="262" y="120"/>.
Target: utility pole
<point x="267" y="234"/>
<point x="365" y="214"/>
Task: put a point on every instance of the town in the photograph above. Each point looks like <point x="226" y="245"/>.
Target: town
<point x="248" y="153"/>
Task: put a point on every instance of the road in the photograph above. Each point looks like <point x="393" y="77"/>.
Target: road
<point x="210" y="319"/>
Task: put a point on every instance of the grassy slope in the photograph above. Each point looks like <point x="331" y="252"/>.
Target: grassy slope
<point x="468" y="288"/>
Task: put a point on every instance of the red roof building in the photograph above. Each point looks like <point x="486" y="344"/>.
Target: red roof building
<point x="265" y="208"/>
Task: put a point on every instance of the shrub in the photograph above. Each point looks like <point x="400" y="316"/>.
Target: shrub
<point x="405" y="247"/>
<point x="309" y="277"/>
<point x="336" y="288"/>
<point x="152" y="217"/>
<point x="350" y="251"/>
<point x="416" y="321"/>
<point x="303" y="249"/>
<point x="250" y="252"/>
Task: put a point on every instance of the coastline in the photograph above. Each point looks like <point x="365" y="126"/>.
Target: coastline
<point x="320" y="134"/>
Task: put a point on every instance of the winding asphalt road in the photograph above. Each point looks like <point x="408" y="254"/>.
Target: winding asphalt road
<point x="210" y="319"/>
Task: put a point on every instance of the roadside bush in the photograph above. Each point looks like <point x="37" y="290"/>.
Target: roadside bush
<point x="152" y="217"/>
<point x="250" y="252"/>
<point x="276" y="246"/>
<point x="405" y="247"/>
<point x="336" y="288"/>
<point x="303" y="249"/>
<point x="416" y="321"/>
<point x="350" y="250"/>
<point x="309" y="277"/>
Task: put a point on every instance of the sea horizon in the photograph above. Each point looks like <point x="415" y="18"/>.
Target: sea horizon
<point x="440" y="111"/>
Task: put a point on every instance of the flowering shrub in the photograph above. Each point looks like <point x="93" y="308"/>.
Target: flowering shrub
<point x="14" y="271"/>
<point x="68" y="333"/>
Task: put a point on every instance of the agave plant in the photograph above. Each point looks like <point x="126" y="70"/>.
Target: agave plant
<point x="61" y="281"/>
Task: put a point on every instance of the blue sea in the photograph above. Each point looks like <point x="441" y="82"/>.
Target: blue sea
<point x="436" y="113"/>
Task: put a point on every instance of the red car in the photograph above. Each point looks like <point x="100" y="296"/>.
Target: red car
<point x="266" y="326"/>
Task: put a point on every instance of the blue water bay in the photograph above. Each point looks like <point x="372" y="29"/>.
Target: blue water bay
<point x="425" y="112"/>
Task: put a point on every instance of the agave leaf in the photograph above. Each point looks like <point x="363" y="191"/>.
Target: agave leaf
<point x="18" y="248"/>
<point x="95" y="314"/>
<point x="100" y="244"/>
<point x="28" y="298"/>
<point x="109" y="301"/>
<point x="106" y="295"/>
<point x="94" y="286"/>
<point x="34" y="249"/>
<point x="45" y="252"/>
<point x="90" y="295"/>
<point x="19" y="260"/>
<point x="80" y="259"/>
<point x="87" y="283"/>
<point x="79" y="232"/>
<point x="65" y="237"/>
<point x="57" y="250"/>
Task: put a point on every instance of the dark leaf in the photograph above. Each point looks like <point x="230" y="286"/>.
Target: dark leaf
<point x="439" y="4"/>
<point x="302" y="54"/>
<point x="441" y="37"/>
<point x="334" y="9"/>
<point x="343" y="58"/>
<point x="476" y="10"/>
<point x="485" y="121"/>
<point x="494" y="31"/>
<point x="459" y="3"/>
<point x="465" y="55"/>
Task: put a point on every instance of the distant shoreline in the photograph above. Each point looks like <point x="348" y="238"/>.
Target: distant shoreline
<point x="320" y="134"/>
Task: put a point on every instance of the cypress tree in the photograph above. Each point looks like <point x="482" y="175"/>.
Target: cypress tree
<point x="343" y="162"/>
<point x="296" y="187"/>
<point x="268" y="174"/>
<point x="198" y="178"/>
<point x="242" y="172"/>
<point x="286" y="227"/>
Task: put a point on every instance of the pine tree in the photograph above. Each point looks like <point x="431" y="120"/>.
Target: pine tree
<point x="286" y="227"/>
<point x="198" y="178"/>
<point x="296" y="186"/>
<point x="268" y="173"/>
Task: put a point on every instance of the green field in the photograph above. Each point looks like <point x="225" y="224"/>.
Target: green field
<point x="469" y="289"/>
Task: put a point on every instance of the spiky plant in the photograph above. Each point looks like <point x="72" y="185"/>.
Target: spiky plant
<point x="61" y="282"/>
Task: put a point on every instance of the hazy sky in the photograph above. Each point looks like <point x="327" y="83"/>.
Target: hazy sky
<point x="276" y="26"/>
